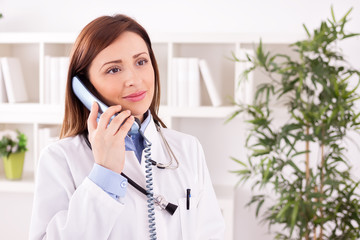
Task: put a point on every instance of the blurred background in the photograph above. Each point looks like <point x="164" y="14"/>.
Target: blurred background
<point x="176" y="18"/>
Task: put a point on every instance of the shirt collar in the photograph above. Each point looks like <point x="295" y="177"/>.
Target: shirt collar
<point x="146" y="122"/>
<point x="129" y="145"/>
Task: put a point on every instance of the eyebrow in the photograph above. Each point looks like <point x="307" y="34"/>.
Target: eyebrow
<point x="120" y="61"/>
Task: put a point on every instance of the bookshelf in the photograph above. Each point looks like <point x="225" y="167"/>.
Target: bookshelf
<point x="205" y="122"/>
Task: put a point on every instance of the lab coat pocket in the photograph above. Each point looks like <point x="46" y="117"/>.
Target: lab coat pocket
<point x="188" y="217"/>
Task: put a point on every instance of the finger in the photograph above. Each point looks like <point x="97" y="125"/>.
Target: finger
<point x="106" y="116"/>
<point x="118" y="121"/>
<point x="125" y="128"/>
<point x="91" y="122"/>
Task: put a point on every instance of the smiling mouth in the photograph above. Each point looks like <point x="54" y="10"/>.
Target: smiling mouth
<point x="135" y="97"/>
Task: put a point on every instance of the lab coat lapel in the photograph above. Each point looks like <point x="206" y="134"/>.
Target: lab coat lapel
<point x="158" y="149"/>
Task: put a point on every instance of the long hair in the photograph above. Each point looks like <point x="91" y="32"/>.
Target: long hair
<point x="95" y="37"/>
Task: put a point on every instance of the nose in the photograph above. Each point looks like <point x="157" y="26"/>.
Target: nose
<point x="132" y="77"/>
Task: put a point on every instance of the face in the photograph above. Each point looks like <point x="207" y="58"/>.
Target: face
<point x="123" y="74"/>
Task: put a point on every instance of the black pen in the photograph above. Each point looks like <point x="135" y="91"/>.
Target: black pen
<point x="188" y="195"/>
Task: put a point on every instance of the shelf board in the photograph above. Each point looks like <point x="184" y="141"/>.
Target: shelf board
<point x="31" y="113"/>
<point x="197" y="112"/>
<point x="36" y="37"/>
<point x="24" y="185"/>
<point x="230" y="38"/>
<point x="53" y="114"/>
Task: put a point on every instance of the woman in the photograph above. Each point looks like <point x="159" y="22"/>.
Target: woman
<point x="81" y="190"/>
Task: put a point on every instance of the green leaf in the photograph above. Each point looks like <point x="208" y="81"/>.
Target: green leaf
<point x="294" y="217"/>
<point x="299" y="153"/>
<point x="351" y="35"/>
<point x="292" y="164"/>
<point x="238" y="161"/>
<point x="233" y="115"/>
<point x="258" y="207"/>
<point x="343" y="19"/>
<point x="241" y="172"/>
<point x="281" y="213"/>
<point x="307" y="31"/>
<point x="332" y="14"/>
<point x="260" y="152"/>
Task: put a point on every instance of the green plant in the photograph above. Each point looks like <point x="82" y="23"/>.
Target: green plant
<point x="315" y="198"/>
<point x="12" y="142"/>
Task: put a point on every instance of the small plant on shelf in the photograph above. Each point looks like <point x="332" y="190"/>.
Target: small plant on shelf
<point x="12" y="151"/>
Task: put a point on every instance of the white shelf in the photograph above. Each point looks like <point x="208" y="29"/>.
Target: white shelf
<point x="24" y="185"/>
<point x="32" y="48"/>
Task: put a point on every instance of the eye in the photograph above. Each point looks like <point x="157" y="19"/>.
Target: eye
<point x="113" y="70"/>
<point x="141" y="62"/>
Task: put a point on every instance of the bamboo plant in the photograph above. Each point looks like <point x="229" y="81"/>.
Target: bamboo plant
<point x="315" y="197"/>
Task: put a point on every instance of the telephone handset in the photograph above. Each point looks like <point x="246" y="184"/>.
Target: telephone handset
<point x="87" y="98"/>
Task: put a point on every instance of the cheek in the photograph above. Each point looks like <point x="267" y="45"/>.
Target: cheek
<point x="150" y="80"/>
<point x="108" y="93"/>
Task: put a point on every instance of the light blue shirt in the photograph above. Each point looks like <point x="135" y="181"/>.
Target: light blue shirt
<point x="111" y="182"/>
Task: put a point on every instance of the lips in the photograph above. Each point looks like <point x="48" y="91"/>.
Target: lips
<point x="135" y="97"/>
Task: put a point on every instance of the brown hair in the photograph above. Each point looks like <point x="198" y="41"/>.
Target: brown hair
<point x="95" y="37"/>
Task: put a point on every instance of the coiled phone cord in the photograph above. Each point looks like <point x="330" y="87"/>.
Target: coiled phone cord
<point x="149" y="188"/>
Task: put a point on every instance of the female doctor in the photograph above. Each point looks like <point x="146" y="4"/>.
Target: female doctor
<point x="92" y="183"/>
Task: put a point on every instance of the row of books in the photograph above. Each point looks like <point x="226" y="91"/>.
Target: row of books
<point x="187" y="74"/>
<point x="184" y="87"/>
<point x="12" y="84"/>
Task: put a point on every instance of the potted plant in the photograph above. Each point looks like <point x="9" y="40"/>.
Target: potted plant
<point x="315" y="195"/>
<point x="12" y="151"/>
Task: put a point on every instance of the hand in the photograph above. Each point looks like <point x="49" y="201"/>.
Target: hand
<point x="108" y="140"/>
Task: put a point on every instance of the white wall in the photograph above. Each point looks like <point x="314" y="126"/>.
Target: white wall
<point x="161" y="16"/>
<point x="175" y="16"/>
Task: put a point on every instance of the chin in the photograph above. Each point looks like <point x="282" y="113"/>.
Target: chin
<point x="138" y="113"/>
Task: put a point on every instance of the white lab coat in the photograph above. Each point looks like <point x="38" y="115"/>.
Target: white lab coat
<point x="68" y="205"/>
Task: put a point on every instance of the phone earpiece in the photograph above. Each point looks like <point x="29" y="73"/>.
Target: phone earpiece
<point x="87" y="98"/>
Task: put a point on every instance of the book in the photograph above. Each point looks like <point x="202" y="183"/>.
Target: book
<point x="54" y="80"/>
<point x="209" y="83"/>
<point x="14" y="80"/>
<point x="194" y="82"/>
<point x="63" y="71"/>
<point x="182" y="82"/>
<point x="244" y="85"/>
<point x="47" y="82"/>
<point x="3" y="95"/>
<point x="185" y="82"/>
<point x="172" y="84"/>
<point x="56" y="69"/>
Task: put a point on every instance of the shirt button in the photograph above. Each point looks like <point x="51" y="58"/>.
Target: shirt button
<point x="123" y="184"/>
